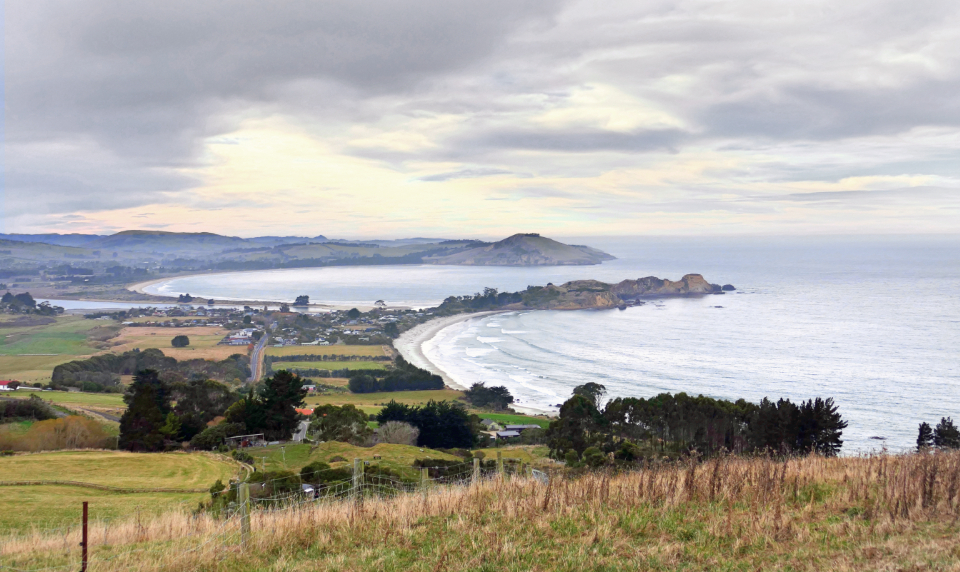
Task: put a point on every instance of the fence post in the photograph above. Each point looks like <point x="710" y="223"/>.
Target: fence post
<point x="500" y="463"/>
<point x="83" y="561"/>
<point x="424" y="480"/>
<point x="476" y="470"/>
<point x="244" y="514"/>
<point x="357" y="478"/>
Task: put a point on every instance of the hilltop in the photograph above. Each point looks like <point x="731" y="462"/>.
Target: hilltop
<point x="524" y="250"/>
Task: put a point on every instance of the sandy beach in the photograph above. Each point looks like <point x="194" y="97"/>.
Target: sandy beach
<point x="410" y="344"/>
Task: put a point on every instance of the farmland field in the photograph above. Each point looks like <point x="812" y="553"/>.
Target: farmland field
<point x="299" y="455"/>
<point x="63" y="340"/>
<point x="203" y="342"/>
<point x="366" y="351"/>
<point x="511" y="419"/>
<point x="68" y="398"/>
<point x="328" y="365"/>
<point x="49" y="505"/>
<point x="372" y="402"/>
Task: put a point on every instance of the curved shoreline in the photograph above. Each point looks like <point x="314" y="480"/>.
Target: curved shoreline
<point x="410" y="346"/>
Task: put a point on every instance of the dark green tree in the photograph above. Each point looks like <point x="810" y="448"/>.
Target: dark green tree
<point x="200" y="401"/>
<point x="148" y="404"/>
<point x="924" y="437"/>
<point x="592" y="391"/>
<point x="353" y="313"/>
<point x="247" y="320"/>
<point x="946" y="435"/>
<point x="281" y="395"/>
<point x="302" y="300"/>
<point x="479" y="395"/>
<point x="248" y="411"/>
<point x="391" y="330"/>
<point x="180" y="341"/>
<point x="578" y="427"/>
<point x="442" y="424"/>
<point x="820" y="427"/>
<point x="346" y="424"/>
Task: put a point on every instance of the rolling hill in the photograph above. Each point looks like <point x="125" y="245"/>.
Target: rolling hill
<point x="524" y="250"/>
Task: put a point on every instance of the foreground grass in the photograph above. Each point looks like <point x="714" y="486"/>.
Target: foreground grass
<point x="881" y="513"/>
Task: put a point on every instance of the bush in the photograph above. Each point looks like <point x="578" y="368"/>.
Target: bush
<point x="571" y="458"/>
<point x="212" y="437"/>
<point x="594" y="457"/>
<point x="242" y="456"/>
<point x="73" y="432"/>
<point x="180" y="341"/>
<point x="397" y="433"/>
<point x="628" y="452"/>
<point x="267" y="484"/>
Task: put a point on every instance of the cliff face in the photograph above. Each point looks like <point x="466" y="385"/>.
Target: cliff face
<point x="691" y="284"/>
<point x="524" y="250"/>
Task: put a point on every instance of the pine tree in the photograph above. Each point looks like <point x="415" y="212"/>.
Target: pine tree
<point x="148" y="404"/>
<point x="946" y="435"/>
<point x="281" y="395"/>
<point x="924" y="437"/>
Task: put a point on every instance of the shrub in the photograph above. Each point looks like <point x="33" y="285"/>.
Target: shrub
<point x="594" y="457"/>
<point x="180" y="341"/>
<point x="73" y="432"/>
<point x="397" y="433"/>
<point x="212" y="437"/>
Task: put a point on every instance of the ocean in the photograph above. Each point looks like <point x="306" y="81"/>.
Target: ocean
<point x="873" y="322"/>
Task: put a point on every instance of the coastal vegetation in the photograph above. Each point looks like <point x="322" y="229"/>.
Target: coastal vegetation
<point x="403" y="376"/>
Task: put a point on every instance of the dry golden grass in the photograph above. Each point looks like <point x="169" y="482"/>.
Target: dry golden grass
<point x="203" y="342"/>
<point x="878" y="513"/>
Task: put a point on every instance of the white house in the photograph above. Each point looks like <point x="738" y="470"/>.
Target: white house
<point x="9" y="385"/>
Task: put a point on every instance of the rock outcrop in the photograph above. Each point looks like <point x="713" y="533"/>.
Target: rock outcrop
<point x="593" y="294"/>
<point x="651" y="286"/>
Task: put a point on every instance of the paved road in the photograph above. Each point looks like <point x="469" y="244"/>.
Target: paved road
<point x="256" y="359"/>
<point x="301" y="431"/>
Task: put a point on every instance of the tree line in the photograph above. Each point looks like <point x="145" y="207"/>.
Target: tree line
<point x="403" y="377"/>
<point x="944" y="436"/>
<point x="161" y="415"/>
<point x="680" y="424"/>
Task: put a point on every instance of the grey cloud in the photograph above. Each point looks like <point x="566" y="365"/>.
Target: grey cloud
<point x="581" y="141"/>
<point x="464" y="174"/>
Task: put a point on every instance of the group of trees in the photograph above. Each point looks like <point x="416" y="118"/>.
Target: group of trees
<point x="24" y="303"/>
<point x="479" y="395"/>
<point x="101" y="373"/>
<point x="441" y="424"/>
<point x="403" y="377"/>
<point x="681" y="423"/>
<point x="159" y="414"/>
<point x="944" y="436"/>
<point x="180" y="341"/>
<point x="34" y="409"/>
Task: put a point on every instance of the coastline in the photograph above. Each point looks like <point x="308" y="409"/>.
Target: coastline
<point x="410" y="346"/>
<point x="410" y="343"/>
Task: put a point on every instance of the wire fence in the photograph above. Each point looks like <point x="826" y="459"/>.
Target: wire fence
<point x="225" y="523"/>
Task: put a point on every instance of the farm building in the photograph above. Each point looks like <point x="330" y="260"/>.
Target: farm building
<point x="9" y="385"/>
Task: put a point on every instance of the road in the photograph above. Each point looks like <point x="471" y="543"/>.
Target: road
<point x="301" y="431"/>
<point x="256" y="359"/>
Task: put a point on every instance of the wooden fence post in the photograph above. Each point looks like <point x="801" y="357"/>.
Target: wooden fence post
<point x="357" y="478"/>
<point x="500" y="463"/>
<point x="424" y="480"/>
<point x="84" y="542"/>
<point x="476" y="470"/>
<point x="244" y="514"/>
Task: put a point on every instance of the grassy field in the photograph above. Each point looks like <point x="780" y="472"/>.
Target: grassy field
<point x="511" y="419"/>
<point x="293" y="457"/>
<point x="526" y="453"/>
<point x="68" y="398"/>
<point x="67" y="338"/>
<point x="22" y="507"/>
<point x="373" y="402"/>
<point x="365" y="351"/>
<point x="328" y="365"/>
<point x="203" y="342"/>
<point x="735" y="514"/>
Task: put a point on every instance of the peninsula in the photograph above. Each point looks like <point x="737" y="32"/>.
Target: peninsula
<point x="524" y="250"/>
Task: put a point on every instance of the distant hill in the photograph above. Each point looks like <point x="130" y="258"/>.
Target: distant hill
<point x="524" y="250"/>
<point x="55" y="239"/>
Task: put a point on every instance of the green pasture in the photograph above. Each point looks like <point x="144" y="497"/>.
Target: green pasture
<point x="121" y="469"/>
<point x="51" y="506"/>
<point x="68" y="398"/>
<point x="294" y="457"/>
<point x="328" y="365"/>
<point x="513" y="419"/>
<point x="363" y="351"/>
<point x="68" y="335"/>
<point x="373" y="402"/>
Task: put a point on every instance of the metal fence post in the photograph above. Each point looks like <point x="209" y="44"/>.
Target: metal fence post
<point x="244" y="514"/>
<point x="476" y="470"/>
<point x="83" y="561"/>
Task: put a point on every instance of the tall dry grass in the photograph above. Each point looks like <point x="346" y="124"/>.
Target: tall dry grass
<point x="806" y="514"/>
<point x="71" y="432"/>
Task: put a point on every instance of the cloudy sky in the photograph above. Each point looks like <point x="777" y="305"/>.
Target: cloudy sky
<point x="441" y="118"/>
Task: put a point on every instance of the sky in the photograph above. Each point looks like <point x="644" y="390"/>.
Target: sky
<point x="480" y="119"/>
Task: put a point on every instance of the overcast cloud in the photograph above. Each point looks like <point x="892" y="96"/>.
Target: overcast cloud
<point x="455" y="118"/>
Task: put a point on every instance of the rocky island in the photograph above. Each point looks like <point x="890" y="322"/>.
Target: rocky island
<point x="582" y="295"/>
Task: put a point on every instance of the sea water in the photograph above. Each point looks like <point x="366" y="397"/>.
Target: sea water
<point x="872" y="322"/>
